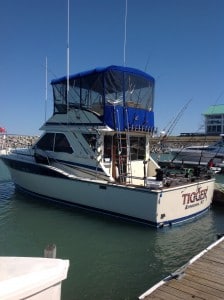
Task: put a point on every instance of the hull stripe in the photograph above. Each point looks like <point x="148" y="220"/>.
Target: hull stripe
<point x="40" y="169"/>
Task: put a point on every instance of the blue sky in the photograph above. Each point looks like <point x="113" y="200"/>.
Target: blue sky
<point x="178" y="42"/>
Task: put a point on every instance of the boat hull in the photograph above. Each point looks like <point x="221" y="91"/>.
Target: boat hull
<point x="159" y="207"/>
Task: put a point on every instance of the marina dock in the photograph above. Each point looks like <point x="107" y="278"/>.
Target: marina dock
<point x="201" y="278"/>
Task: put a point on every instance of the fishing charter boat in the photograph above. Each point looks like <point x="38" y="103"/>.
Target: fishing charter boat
<point x="95" y="152"/>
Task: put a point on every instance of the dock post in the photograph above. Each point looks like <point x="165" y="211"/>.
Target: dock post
<point x="50" y="251"/>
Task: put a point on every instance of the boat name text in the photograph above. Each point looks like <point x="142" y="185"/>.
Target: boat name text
<point x="200" y="194"/>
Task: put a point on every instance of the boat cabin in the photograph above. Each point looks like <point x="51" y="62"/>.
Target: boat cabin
<point x="103" y="117"/>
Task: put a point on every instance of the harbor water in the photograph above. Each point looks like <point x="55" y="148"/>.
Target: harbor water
<point x="110" y="259"/>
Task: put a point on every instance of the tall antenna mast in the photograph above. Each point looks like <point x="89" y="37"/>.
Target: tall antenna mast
<point x="68" y="60"/>
<point x="125" y="30"/>
<point x="45" y="110"/>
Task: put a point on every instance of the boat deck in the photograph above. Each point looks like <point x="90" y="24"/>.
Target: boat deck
<point x="201" y="278"/>
<point x="169" y="182"/>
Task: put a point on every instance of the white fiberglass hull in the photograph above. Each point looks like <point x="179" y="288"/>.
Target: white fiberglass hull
<point x="155" y="207"/>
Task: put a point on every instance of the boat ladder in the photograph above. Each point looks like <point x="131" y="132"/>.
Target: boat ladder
<point x="123" y="154"/>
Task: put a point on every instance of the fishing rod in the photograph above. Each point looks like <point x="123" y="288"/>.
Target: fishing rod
<point x="177" y="118"/>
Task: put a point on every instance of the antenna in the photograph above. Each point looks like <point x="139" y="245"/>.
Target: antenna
<point x="68" y="60"/>
<point x="45" y="110"/>
<point x="125" y="31"/>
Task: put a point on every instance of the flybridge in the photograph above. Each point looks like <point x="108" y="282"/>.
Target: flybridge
<point x="121" y="97"/>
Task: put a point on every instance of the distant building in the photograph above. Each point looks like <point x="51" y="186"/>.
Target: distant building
<point x="214" y="120"/>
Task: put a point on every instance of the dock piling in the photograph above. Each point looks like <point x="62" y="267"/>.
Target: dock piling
<point x="50" y="251"/>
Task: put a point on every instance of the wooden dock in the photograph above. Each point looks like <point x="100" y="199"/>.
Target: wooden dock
<point x="201" y="278"/>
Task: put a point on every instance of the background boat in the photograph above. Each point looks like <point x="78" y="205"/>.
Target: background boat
<point x="109" y="258"/>
<point x="201" y="153"/>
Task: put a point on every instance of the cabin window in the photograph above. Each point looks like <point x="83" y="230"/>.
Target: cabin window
<point x="137" y="147"/>
<point x="74" y="93"/>
<point x="61" y="96"/>
<point x="54" y="142"/>
<point x="91" y="140"/>
<point x="46" y="142"/>
<point x="108" y="145"/>
<point x="62" y="144"/>
<point x="92" y="101"/>
<point x="91" y="93"/>
<point x="138" y="92"/>
<point x="59" y="91"/>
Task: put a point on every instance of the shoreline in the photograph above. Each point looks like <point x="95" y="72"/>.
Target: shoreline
<point x="158" y="144"/>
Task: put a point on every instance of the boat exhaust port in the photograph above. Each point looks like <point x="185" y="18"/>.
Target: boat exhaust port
<point x="102" y="187"/>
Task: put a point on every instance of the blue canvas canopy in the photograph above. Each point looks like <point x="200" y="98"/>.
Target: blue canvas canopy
<point x="105" y="69"/>
<point x="122" y="97"/>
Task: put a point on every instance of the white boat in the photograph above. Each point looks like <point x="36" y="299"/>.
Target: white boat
<point x="204" y="154"/>
<point x="94" y="153"/>
<point x="32" y="278"/>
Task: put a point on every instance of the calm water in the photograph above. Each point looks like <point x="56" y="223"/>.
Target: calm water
<point x="109" y="258"/>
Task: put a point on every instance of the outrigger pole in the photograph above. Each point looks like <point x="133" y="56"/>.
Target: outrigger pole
<point x="45" y="110"/>
<point x="125" y="31"/>
<point x="68" y="59"/>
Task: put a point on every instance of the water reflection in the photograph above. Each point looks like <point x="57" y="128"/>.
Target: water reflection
<point x="109" y="258"/>
<point x="6" y="205"/>
<point x="176" y="246"/>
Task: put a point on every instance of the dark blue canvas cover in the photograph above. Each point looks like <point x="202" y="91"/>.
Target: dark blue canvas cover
<point x="122" y="97"/>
